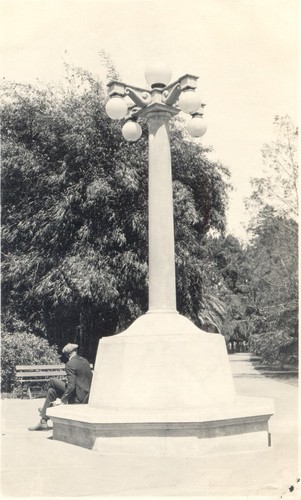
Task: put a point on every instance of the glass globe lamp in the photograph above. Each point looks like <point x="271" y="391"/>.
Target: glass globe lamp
<point x="158" y="74"/>
<point x="196" y="126"/>
<point x="189" y="101"/>
<point x="131" y="131"/>
<point x="116" y="108"/>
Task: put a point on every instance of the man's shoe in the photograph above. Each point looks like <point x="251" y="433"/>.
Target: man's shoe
<point x="41" y="426"/>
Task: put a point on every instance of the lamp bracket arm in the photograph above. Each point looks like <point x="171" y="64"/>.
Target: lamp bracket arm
<point x="133" y="113"/>
<point x="141" y="99"/>
<point x="170" y="97"/>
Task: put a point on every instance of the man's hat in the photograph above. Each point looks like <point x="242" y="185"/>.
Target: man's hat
<point x="69" y="348"/>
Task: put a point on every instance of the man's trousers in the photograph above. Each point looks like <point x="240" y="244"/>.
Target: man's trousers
<point x="56" y="389"/>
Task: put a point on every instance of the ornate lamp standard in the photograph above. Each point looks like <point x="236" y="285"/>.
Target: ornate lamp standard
<point x="158" y="105"/>
<point x="162" y="378"/>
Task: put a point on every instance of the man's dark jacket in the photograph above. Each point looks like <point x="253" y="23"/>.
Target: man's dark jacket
<point x="79" y="377"/>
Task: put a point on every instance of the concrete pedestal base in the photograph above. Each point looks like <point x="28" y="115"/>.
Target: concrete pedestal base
<point x="164" y="387"/>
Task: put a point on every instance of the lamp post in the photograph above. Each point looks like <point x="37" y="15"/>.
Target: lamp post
<point x="158" y="105"/>
<point x="162" y="386"/>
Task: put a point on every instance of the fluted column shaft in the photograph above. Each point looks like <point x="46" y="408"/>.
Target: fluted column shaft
<point x="162" y="281"/>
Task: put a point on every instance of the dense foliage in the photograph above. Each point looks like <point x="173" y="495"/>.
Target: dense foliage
<point x="273" y="251"/>
<point x="23" y="348"/>
<point x="274" y="292"/>
<point x="227" y="280"/>
<point x="74" y="237"/>
<point x="251" y="291"/>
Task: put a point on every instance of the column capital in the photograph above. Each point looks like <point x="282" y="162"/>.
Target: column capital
<point x="157" y="109"/>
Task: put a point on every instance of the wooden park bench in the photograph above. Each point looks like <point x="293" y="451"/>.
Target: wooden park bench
<point x="37" y="375"/>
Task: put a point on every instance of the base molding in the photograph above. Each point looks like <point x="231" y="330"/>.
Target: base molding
<point x="241" y="426"/>
<point x="182" y="446"/>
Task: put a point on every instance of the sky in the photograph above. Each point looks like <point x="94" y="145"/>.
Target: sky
<point x="245" y="53"/>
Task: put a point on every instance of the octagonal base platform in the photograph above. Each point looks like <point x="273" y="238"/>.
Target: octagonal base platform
<point x="164" y="387"/>
<point x="241" y="426"/>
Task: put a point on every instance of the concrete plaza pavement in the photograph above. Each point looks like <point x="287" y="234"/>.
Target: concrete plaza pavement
<point x="34" y="465"/>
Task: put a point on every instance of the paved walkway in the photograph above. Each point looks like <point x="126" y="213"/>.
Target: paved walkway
<point x="35" y="465"/>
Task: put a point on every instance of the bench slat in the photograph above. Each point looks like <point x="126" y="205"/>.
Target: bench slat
<point x="32" y="368"/>
<point x="40" y="367"/>
<point x="37" y="380"/>
<point x="24" y="375"/>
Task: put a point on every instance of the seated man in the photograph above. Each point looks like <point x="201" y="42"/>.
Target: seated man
<point x="75" y="390"/>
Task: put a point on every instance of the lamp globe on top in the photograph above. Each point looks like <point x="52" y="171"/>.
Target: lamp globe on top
<point x="158" y="74"/>
<point x="116" y="108"/>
